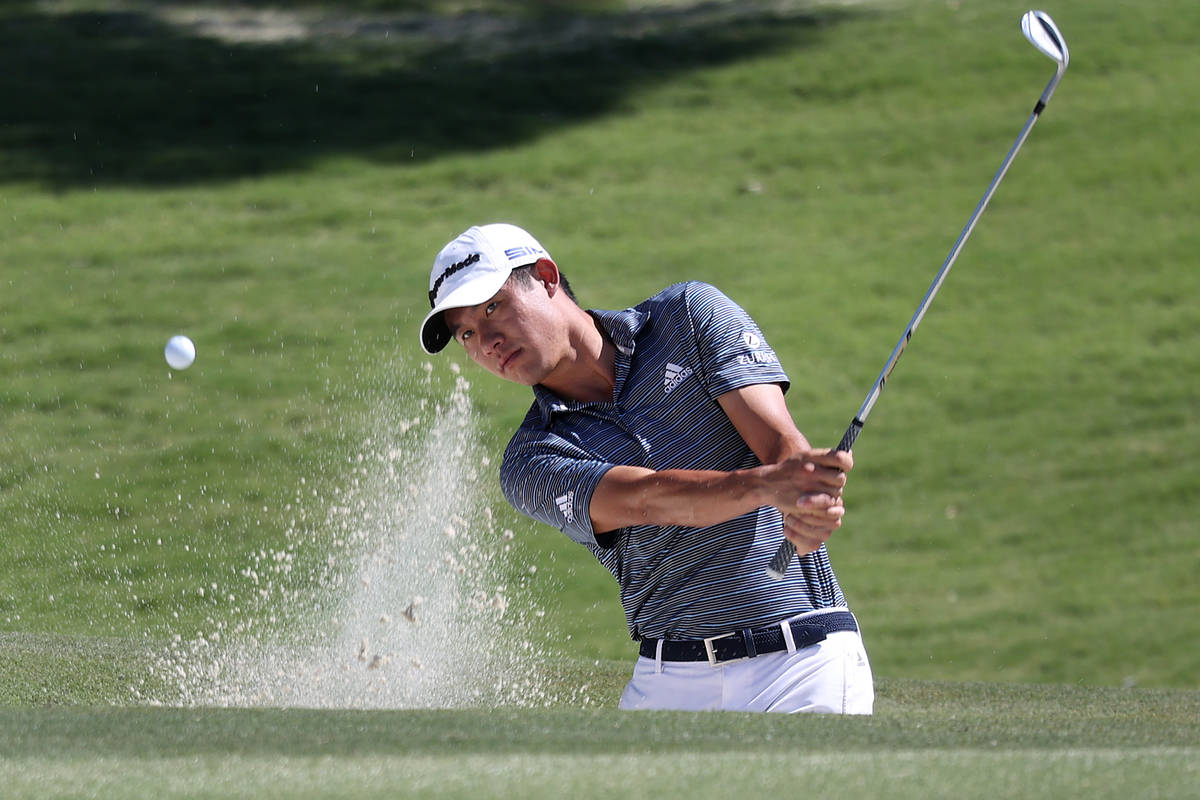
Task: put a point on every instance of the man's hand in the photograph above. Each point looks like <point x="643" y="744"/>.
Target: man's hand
<point x="808" y="492"/>
<point x="805" y="484"/>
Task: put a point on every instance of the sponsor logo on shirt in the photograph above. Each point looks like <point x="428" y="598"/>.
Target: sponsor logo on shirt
<point x="566" y="505"/>
<point x="756" y="356"/>
<point x="674" y="376"/>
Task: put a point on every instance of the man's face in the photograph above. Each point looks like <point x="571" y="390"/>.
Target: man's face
<point x="515" y="335"/>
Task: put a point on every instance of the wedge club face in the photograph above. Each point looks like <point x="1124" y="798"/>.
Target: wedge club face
<point x="1043" y="34"/>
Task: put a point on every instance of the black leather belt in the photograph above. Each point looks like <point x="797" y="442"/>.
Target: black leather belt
<point x="751" y="642"/>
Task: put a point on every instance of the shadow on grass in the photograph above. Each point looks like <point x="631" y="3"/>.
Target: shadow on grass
<point x="159" y="95"/>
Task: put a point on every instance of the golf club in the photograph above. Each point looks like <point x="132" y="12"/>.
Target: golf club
<point x="1043" y="34"/>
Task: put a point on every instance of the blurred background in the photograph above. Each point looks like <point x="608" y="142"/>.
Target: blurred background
<point x="273" y="180"/>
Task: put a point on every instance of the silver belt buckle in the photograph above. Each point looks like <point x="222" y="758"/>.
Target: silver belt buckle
<point x="712" y="656"/>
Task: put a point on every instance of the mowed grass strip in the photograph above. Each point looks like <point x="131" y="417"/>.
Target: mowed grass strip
<point x="905" y="774"/>
<point x="927" y="739"/>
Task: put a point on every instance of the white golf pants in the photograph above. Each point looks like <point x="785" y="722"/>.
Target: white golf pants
<point x="832" y="677"/>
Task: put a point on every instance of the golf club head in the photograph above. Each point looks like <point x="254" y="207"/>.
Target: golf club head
<point x="1043" y="34"/>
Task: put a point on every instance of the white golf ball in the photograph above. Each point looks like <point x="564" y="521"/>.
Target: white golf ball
<point x="180" y="352"/>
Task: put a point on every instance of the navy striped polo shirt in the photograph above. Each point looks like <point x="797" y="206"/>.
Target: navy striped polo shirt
<point x="676" y="354"/>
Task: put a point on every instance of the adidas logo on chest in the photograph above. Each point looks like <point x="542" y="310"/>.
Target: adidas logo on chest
<point x="673" y="376"/>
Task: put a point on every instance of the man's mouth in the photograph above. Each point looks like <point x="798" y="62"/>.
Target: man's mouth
<point x="504" y="362"/>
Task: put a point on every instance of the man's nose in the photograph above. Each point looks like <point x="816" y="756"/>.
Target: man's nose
<point x="491" y="338"/>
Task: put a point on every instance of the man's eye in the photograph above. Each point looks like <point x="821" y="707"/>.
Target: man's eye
<point x="490" y="308"/>
<point x="465" y="335"/>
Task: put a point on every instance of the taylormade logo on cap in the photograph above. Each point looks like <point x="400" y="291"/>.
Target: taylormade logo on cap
<point x="450" y="270"/>
<point x="471" y="269"/>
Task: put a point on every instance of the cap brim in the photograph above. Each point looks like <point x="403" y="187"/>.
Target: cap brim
<point x="435" y="335"/>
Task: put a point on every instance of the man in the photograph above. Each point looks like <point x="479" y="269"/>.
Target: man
<point x="659" y="438"/>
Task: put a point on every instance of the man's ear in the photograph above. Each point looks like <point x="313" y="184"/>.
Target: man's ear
<point x="546" y="273"/>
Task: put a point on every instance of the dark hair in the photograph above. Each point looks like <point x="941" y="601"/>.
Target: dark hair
<point x="525" y="276"/>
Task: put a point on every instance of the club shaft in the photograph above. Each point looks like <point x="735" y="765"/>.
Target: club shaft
<point x="783" y="556"/>
<point x="939" y="279"/>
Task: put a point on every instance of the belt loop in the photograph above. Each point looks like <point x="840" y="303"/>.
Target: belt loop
<point x="786" y="627"/>
<point x="748" y="637"/>
<point x="658" y="656"/>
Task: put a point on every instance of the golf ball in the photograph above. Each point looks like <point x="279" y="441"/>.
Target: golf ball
<point x="180" y="352"/>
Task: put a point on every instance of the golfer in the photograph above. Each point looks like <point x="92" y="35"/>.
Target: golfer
<point x="659" y="439"/>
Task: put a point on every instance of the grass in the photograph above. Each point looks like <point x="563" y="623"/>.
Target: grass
<point x="922" y="774"/>
<point x="1021" y="540"/>
<point x="927" y="739"/>
<point x="1020" y="481"/>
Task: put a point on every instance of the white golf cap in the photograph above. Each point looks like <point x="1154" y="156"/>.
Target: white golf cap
<point x="470" y="270"/>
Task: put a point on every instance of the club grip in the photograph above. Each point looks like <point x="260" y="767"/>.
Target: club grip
<point x="849" y="437"/>
<point x="783" y="556"/>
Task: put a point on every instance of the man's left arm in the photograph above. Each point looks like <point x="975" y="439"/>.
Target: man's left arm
<point x="760" y="414"/>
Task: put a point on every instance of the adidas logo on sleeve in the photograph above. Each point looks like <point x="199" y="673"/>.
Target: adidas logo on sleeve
<point x="566" y="506"/>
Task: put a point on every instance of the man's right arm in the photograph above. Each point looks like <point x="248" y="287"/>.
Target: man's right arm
<point x="627" y="495"/>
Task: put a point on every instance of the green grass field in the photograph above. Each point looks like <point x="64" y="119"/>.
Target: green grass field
<point x="927" y="739"/>
<point x="1021" y="539"/>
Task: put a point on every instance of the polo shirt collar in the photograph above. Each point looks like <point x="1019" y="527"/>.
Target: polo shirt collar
<point x="623" y="328"/>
